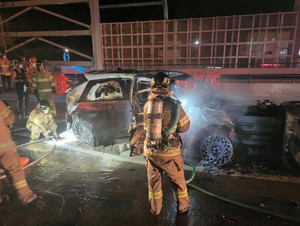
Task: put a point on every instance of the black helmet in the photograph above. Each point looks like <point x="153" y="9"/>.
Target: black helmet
<point x="161" y="79"/>
<point x="44" y="104"/>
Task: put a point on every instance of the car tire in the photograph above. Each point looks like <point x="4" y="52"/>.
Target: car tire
<point x="84" y="132"/>
<point x="212" y="147"/>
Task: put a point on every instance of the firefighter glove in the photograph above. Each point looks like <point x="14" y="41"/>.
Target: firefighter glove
<point x="46" y="133"/>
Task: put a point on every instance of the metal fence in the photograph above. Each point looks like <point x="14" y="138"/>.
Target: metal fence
<point x="245" y="41"/>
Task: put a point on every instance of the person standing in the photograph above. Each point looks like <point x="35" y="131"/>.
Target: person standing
<point x="164" y="154"/>
<point x="5" y="72"/>
<point x="22" y="90"/>
<point x="10" y="159"/>
<point x="24" y="62"/>
<point x="30" y="71"/>
<point x="43" y="85"/>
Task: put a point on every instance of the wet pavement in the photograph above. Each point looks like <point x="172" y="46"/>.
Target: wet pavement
<point x="103" y="186"/>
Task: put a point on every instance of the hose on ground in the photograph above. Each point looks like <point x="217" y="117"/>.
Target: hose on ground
<point x="37" y="160"/>
<point x="232" y="201"/>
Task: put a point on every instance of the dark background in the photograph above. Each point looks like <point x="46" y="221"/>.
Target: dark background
<point x="34" y="20"/>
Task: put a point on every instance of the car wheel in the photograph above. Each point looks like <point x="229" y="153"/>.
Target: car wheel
<point x="84" y="132"/>
<point x="213" y="149"/>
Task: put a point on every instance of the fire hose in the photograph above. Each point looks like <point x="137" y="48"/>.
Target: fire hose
<point x="37" y="160"/>
<point x="188" y="182"/>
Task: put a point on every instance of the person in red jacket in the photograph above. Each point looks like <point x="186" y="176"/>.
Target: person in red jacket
<point x="162" y="149"/>
<point x="10" y="159"/>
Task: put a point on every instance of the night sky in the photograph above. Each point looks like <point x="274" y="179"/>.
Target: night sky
<point x="179" y="9"/>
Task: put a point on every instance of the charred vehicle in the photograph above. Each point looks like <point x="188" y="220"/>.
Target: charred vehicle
<point x="99" y="107"/>
<point x="105" y="104"/>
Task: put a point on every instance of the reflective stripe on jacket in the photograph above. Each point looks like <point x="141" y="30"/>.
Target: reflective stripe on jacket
<point x="44" y="121"/>
<point x="6" y="119"/>
<point x="43" y="82"/>
<point x="4" y="67"/>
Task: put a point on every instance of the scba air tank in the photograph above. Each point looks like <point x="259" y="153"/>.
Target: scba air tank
<point x="154" y="119"/>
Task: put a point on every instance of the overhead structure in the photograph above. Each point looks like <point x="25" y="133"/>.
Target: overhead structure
<point x="93" y="30"/>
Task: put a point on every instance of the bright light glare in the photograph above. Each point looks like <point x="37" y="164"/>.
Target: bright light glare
<point x="196" y="42"/>
<point x="66" y="50"/>
<point x="66" y="137"/>
<point x="184" y="103"/>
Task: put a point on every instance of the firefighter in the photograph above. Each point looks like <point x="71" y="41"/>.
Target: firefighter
<point x="22" y="90"/>
<point x="5" y="71"/>
<point x="30" y="71"/>
<point x="9" y="158"/>
<point x="43" y="85"/>
<point x="41" y="121"/>
<point x="164" y="118"/>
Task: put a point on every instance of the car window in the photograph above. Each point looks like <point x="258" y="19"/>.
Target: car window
<point x="108" y="90"/>
<point x="141" y="94"/>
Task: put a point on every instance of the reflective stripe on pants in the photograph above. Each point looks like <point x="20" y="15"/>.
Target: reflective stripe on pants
<point x="10" y="161"/>
<point x="173" y="167"/>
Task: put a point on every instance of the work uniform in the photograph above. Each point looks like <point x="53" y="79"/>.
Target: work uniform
<point x="22" y="90"/>
<point x="5" y="72"/>
<point x="38" y="123"/>
<point x="9" y="158"/>
<point x="43" y="82"/>
<point x="169" y="161"/>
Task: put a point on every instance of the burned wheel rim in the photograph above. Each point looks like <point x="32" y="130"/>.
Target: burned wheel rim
<point x="216" y="150"/>
<point x="83" y="132"/>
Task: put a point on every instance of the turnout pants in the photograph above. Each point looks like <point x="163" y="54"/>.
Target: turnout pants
<point x="10" y="162"/>
<point x="173" y="167"/>
<point x="36" y="132"/>
<point x="6" y="79"/>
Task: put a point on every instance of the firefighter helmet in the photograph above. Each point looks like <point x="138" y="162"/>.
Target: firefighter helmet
<point x="161" y="79"/>
<point x="44" y="104"/>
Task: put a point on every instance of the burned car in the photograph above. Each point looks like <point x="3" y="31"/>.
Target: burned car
<point x="99" y="107"/>
<point x="108" y="105"/>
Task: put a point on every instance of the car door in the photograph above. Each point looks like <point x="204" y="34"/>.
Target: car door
<point x="105" y="103"/>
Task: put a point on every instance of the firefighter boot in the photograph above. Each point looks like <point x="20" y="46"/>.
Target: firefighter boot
<point x="29" y="198"/>
<point x="155" y="209"/>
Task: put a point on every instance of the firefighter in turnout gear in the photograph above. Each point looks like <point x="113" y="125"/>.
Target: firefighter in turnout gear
<point x="5" y="71"/>
<point x="164" y="118"/>
<point x="43" y="85"/>
<point x="10" y="159"/>
<point x="41" y="121"/>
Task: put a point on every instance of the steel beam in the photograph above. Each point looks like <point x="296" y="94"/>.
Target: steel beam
<point x="14" y="4"/>
<point x="165" y="6"/>
<point x="47" y="33"/>
<point x="21" y="44"/>
<point x="15" y="15"/>
<point x="64" y="47"/>
<point x="71" y="63"/>
<point x="96" y="35"/>
<point x="61" y="16"/>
